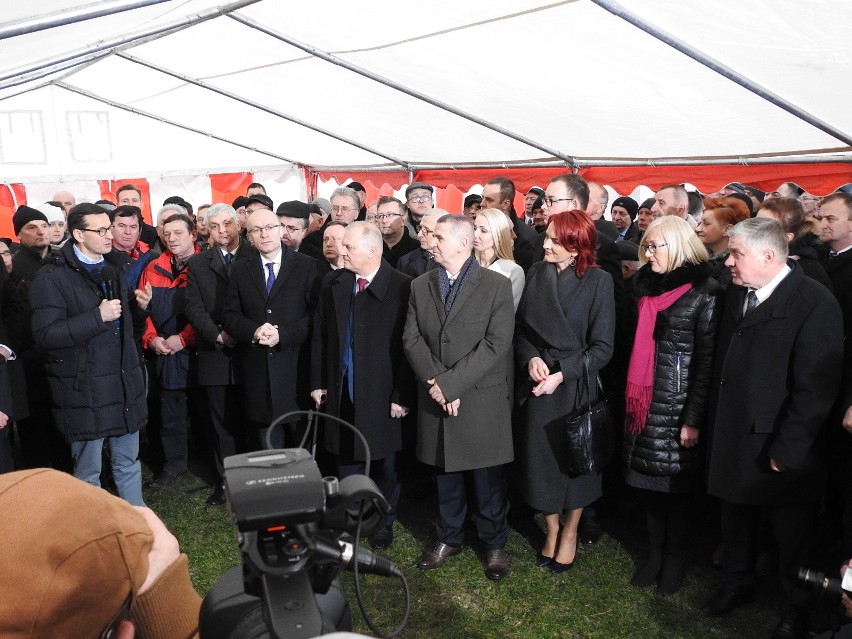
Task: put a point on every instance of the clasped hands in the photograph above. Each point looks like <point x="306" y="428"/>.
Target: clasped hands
<point x="540" y="373"/>
<point x="435" y="392"/>
<point x="266" y="334"/>
<point x="167" y="345"/>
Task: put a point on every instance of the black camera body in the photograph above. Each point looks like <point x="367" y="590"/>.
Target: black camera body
<point x="289" y="520"/>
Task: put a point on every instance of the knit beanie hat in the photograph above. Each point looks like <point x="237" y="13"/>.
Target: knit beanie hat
<point x="24" y="215"/>
<point x="72" y="554"/>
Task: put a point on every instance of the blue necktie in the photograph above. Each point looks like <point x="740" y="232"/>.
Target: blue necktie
<point x="229" y="258"/>
<point x="270" y="281"/>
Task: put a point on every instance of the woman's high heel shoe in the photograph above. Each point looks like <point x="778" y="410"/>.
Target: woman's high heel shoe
<point x="543" y="561"/>
<point x="557" y="569"/>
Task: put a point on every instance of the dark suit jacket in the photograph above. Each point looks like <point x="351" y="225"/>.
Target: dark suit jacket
<point x="416" y="263"/>
<point x="206" y="292"/>
<point x="606" y="228"/>
<point x="468" y="352"/>
<point x="777" y="374"/>
<point x="381" y="372"/>
<point x="268" y="374"/>
<point x="839" y="270"/>
<point x="632" y="234"/>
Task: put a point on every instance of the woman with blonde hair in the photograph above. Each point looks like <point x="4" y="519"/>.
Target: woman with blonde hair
<point x="492" y="248"/>
<point x="668" y="387"/>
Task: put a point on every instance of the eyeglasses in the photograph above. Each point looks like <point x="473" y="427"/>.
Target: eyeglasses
<point x="550" y="201"/>
<point x="387" y="216"/>
<point x="342" y="209"/>
<point x="258" y="230"/>
<point x="420" y="198"/>
<point x="102" y="232"/>
<point x="291" y="229"/>
<point x="426" y="232"/>
<point x="651" y="248"/>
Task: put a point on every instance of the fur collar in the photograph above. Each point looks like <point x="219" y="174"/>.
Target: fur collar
<point x="650" y="283"/>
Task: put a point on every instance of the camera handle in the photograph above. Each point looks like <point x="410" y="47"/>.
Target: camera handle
<point x="290" y="607"/>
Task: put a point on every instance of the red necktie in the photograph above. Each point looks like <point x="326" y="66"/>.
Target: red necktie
<point x="362" y="284"/>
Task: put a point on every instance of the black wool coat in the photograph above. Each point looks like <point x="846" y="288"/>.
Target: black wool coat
<point x="205" y="295"/>
<point x="268" y="375"/>
<point x="685" y="342"/>
<point x="777" y="374"/>
<point x="381" y="372"/>
<point x="93" y="367"/>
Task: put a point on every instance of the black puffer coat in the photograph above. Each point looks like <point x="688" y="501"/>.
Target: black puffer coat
<point x="685" y="335"/>
<point x="96" y="379"/>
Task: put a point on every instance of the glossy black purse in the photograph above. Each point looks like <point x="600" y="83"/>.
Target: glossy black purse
<point x="590" y="436"/>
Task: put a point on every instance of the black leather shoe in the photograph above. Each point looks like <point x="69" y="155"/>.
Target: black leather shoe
<point x="725" y="600"/>
<point x="589" y="530"/>
<point x="791" y="626"/>
<point x="164" y="479"/>
<point x="218" y="496"/>
<point x="383" y="539"/>
<point x="496" y="564"/>
<point x="437" y="555"/>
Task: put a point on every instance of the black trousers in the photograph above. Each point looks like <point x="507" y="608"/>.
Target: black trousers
<point x="488" y="489"/>
<point x="173" y="433"/>
<point x="226" y="427"/>
<point x="790" y="525"/>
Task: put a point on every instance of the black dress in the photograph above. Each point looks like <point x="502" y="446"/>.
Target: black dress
<point x="559" y="318"/>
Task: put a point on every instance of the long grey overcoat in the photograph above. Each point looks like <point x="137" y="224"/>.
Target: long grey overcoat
<point x="468" y="354"/>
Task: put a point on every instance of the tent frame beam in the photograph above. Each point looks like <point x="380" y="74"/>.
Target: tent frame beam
<point x="328" y="57"/>
<point x="72" y="16"/>
<point x="587" y="164"/>
<point x="213" y="136"/>
<point x="261" y="107"/>
<point x="62" y="61"/>
<point x="725" y="71"/>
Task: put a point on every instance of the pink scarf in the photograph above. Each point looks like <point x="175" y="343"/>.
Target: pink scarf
<point x="640" y="373"/>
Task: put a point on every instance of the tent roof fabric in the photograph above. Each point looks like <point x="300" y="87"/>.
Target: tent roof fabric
<point x="489" y="83"/>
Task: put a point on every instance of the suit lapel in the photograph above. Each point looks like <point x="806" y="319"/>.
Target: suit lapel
<point x="436" y="293"/>
<point x="341" y="293"/>
<point x="775" y="305"/>
<point x="217" y="263"/>
<point x="466" y="291"/>
<point x="287" y="266"/>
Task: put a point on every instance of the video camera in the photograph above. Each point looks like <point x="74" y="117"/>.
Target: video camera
<point x="290" y="520"/>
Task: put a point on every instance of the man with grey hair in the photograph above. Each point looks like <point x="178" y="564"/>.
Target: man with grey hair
<point x="673" y="200"/>
<point x="358" y="368"/>
<point x="458" y="340"/>
<point x="778" y="361"/>
<point x="598" y="200"/>
<point x="345" y="207"/>
<point x="206" y="292"/>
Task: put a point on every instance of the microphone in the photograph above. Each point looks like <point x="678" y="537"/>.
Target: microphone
<point x="368" y="561"/>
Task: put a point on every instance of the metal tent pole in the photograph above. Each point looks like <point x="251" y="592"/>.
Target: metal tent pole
<point x="723" y="70"/>
<point x="124" y="107"/>
<point x="94" y="50"/>
<point x="262" y="107"/>
<point x="71" y="16"/>
<point x="328" y="57"/>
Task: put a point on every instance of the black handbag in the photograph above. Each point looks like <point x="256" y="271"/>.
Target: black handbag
<point x="589" y="429"/>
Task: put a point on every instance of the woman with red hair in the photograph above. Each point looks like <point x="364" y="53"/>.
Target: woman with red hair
<point x="566" y="314"/>
<point x="720" y="216"/>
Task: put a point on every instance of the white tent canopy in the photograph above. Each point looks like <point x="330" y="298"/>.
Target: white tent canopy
<point x="430" y="85"/>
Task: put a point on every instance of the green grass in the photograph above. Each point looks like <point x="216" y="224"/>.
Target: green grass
<point x="593" y="600"/>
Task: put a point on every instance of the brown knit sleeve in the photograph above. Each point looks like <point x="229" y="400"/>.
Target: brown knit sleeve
<point x="170" y="609"/>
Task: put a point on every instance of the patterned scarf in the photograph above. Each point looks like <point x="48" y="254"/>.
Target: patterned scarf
<point x="449" y="293"/>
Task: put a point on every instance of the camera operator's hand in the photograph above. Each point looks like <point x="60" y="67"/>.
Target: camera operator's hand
<point x="164" y="551"/>
<point x="844" y="599"/>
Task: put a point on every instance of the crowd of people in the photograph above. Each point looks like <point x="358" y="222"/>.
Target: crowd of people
<point x="717" y="325"/>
